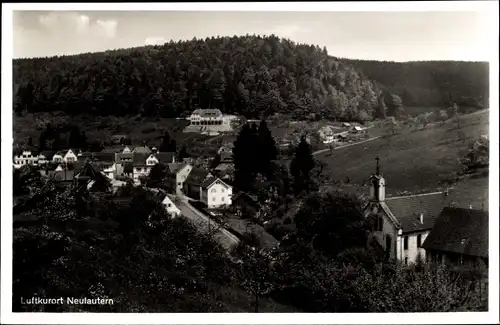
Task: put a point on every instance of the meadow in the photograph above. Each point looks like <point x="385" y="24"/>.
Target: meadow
<point x="415" y="160"/>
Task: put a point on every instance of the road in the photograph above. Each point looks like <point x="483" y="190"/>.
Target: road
<point x="205" y="224"/>
<point x="347" y="145"/>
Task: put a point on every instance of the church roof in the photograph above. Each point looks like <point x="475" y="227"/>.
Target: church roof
<point x="407" y="210"/>
<point x="462" y="231"/>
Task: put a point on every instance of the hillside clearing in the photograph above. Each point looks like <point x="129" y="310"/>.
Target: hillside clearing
<point x="412" y="161"/>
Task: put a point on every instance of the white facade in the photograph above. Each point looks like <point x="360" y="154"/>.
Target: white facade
<point x="217" y="195"/>
<point x="26" y="158"/>
<point x="408" y="253"/>
<point x="180" y="178"/>
<point x="141" y="171"/>
<point x="151" y="160"/>
<point x="110" y="172"/>
<point x="170" y="206"/>
<point x="126" y="150"/>
<point x="70" y="157"/>
<point x="404" y="246"/>
<point x="57" y="158"/>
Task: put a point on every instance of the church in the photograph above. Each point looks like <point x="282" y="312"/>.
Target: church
<point x="401" y="224"/>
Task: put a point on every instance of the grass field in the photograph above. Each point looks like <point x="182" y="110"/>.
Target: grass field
<point x="415" y="160"/>
<point x="149" y="130"/>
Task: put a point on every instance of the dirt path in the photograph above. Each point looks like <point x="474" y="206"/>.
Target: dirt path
<point x="347" y="145"/>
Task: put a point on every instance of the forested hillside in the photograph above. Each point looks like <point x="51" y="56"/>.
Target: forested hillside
<point x="431" y="83"/>
<point x="249" y="75"/>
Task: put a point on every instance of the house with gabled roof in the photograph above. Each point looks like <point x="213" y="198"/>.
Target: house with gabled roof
<point x="215" y="193"/>
<point x="169" y="202"/>
<point x="400" y="225"/>
<point x="67" y="156"/>
<point x="25" y="157"/>
<point x="459" y="238"/>
<point x="92" y="178"/>
<point x="193" y="181"/>
<point x="177" y="174"/>
<point x="140" y="168"/>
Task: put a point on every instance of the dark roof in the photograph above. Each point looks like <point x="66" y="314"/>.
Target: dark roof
<point x="120" y="156"/>
<point x="209" y="181"/>
<point x="197" y="176"/>
<point x="139" y="159"/>
<point x="61" y="176"/>
<point x="165" y="157"/>
<point x="47" y="154"/>
<point x="141" y="149"/>
<point x="462" y="231"/>
<point x="113" y="149"/>
<point x="87" y="171"/>
<point x="98" y="156"/>
<point x="407" y="210"/>
<point x="175" y="167"/>
<point x="208" y="112"/>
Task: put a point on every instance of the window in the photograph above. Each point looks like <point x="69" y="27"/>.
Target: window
<point x="405" y="242"/>
<point x="169" y="205"/>
<point x="419" y="240"/>
<point x="406" y="260"/>
<point x="380" y="225"/>
<point x="213" y="190"/>
<point x="213" y="199"/>
<point x="222" y="199"/>
<point x="179" y="183"/>
<point x="222" y="190"/>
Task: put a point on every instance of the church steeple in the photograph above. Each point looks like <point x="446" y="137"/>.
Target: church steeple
<point x="377" y="187"/>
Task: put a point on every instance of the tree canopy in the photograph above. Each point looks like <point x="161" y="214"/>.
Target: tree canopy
<point x="253" y="76"/>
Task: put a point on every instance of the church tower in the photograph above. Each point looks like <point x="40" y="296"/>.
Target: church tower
<point x="377" y="185"/>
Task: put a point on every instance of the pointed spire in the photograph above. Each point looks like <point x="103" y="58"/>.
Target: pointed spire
<point x="377" y="172"/>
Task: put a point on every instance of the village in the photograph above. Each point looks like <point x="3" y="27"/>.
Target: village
<point x="200" y="189"/>
<point x="187" y="161"/>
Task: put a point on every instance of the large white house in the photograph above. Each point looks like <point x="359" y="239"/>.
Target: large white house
<point x="210" y="121"/>
<point x="215" y="193"/>
<point x="144" y="162"/>
<point x="25" y="158"/>
<point x="401" y="224"/>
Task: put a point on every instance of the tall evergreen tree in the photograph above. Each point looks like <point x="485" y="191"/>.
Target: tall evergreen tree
<point x="245" y="157"/>
<point x="183" y="153"/>
<point x="301" y="167"/>
<point x="167" y="143"/>
<point x="267" y="149"/>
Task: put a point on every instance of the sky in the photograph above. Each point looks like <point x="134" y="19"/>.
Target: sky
<point x="390" y="36"/>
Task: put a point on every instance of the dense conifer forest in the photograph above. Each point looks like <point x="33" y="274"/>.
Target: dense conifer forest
<point x="431" y="83"/>
<point x="249" y="75"/>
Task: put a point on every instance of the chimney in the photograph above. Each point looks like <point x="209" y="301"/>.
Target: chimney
<point x="421" y="218"/>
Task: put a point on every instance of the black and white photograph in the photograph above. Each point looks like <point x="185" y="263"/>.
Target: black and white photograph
<point x="222" y="159"/>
